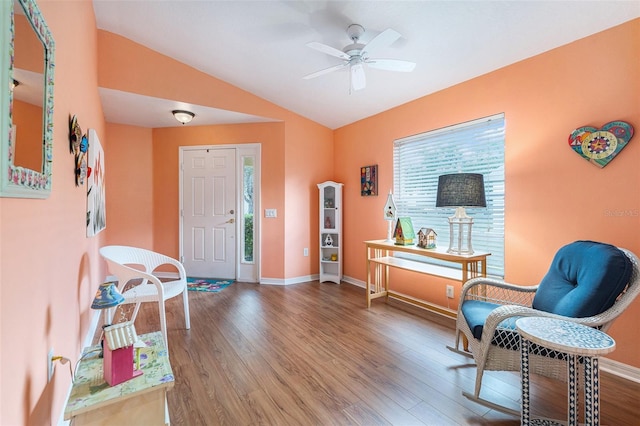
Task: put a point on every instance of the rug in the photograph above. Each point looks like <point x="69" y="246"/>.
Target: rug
<point x="211" y="285"/>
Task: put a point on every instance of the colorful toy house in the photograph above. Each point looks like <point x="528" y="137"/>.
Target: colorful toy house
<point x="404" y="233"/>
<point x="119" y="340"/>
<point x="427" y="238"/>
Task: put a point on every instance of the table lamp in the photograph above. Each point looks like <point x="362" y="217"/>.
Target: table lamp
<point x="460" y="190"/>
<point x="107" y="296"/>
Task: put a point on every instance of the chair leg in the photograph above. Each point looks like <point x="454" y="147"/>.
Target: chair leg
<point x="163" y="323"/>
<point x="185" y="303"/>
<point x="135" y="312"/>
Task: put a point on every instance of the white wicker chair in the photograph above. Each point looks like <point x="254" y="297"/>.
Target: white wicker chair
<point x="499" y="346"/>
<point x="134" y="268"/>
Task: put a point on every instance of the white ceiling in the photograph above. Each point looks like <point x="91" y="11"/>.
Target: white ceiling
<point x="259" y="46"/>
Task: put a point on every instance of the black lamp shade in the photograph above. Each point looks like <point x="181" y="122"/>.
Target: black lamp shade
<point x="461" y="190"/>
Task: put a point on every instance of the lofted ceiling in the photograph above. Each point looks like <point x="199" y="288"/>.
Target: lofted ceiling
<point x="260" y="46"/>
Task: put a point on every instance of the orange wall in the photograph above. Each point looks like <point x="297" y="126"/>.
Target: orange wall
<point x="49" y="269"/>
<point x="308" y="161"/>
<point x="28" y="121"/>
<point x="552" y="196"/>
<point x="128" y="186"/>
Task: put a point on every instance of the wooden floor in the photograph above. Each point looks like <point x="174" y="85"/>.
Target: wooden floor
<point x="312" y="354"/>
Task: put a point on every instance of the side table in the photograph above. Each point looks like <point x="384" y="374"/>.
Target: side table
<point x="141" y="400"/>
<point x="577" y="341"/>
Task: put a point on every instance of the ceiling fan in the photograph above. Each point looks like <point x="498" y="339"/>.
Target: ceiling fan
<point x="356" y="55"/>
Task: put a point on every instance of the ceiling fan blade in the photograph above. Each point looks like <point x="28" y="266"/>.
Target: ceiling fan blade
<point x="383" y="39"/>
<point x="391" y="65"/>
<point x="325" y="71"/>
<point x="328" y="50"/>
<point x="358" y="79"/>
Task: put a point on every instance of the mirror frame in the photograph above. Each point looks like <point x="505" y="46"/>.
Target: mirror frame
<point x="15" y="181"/>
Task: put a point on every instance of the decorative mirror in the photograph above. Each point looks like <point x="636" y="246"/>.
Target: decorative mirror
<point x="26" y="104"/>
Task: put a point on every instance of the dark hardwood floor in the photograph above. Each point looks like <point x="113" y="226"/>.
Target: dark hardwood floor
<point x="312" y="354"/>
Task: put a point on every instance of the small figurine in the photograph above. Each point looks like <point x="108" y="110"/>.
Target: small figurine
<point x="328" y="240"/>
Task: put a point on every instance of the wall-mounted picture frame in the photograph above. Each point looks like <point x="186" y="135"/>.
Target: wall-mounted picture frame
<point x="369" y="180"/>
<point x="96" y="199"/>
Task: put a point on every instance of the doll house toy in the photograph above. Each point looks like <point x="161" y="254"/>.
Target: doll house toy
<point x="427" y="238"/>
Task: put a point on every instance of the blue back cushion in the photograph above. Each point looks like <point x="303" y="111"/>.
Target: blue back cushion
<point x="584" y="279"/>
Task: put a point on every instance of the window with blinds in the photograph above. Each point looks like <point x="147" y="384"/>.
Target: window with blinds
<point x="472" y="147"/>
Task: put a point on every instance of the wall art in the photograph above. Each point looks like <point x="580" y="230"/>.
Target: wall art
<point x="96" y="209"/>
<point x="600" y="146"/>
<point x="369" y="180"/>
<point x="78" y="145"/>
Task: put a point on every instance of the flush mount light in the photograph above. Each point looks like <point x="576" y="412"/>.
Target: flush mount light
<point x="183" y="116"/>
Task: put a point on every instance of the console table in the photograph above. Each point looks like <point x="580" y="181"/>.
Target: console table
<point x="381" y="257"/>
<point x="141" y="400"/>
<point x="578" y="342"/>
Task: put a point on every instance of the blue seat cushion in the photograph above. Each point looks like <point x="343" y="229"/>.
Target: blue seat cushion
<point x="584" y="279"/>
<point x="475" y="313"/>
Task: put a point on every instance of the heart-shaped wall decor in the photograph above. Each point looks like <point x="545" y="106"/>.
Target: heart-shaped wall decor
<point x="600" y="146"/>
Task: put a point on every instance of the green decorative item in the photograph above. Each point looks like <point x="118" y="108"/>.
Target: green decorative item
<point x="404" y="233"/>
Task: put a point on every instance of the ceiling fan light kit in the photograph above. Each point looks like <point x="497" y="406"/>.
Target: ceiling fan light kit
<point x="356" y="55"/>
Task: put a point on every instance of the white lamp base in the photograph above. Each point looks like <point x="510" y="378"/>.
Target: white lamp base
<point x="460" y="233"/>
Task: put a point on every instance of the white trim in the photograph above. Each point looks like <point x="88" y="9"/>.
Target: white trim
<point x="289" y="281"/>
<point x="354" y="281"/>
<point x="619" y="369"/>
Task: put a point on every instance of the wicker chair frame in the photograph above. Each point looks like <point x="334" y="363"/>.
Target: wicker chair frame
<point x="499" y="346"/>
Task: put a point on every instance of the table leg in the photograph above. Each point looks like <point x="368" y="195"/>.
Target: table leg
<point x="525" y="414"/>
<point x="573" y="390"/>
<point x="591" y="391"/>
<point x="368" y="287"/>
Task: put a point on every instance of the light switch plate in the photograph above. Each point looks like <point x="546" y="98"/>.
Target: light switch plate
<point x="270" y="213"/>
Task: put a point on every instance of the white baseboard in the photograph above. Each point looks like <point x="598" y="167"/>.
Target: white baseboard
<point x="289" y="281"/>
<point x="617" y="368"/>
<point x="353" y="281"/>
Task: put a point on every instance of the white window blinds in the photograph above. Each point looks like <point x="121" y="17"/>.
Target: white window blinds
<point x="472" y="147"/>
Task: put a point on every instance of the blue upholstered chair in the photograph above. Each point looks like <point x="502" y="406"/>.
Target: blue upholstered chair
<point x="588" y="282"/>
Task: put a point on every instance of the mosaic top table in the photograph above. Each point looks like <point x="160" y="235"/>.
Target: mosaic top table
<point x="578" y="342"/>
<point x="141" y="400"/>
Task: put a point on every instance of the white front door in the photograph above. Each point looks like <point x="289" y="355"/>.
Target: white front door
<point x="209" y="213"/>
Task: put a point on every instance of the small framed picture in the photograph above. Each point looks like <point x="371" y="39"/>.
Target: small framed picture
<point x="369" y="180"/>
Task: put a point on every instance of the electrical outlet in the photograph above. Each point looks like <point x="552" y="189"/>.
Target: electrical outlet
<point x="50" y="365"/>
<point x="450" y="291"/>
<point x="305" y="251"/>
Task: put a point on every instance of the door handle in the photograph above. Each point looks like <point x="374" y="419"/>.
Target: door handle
<point x="232" y="220"/>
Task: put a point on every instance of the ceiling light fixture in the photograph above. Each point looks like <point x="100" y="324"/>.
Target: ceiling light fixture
<point x="183" y="116"/>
